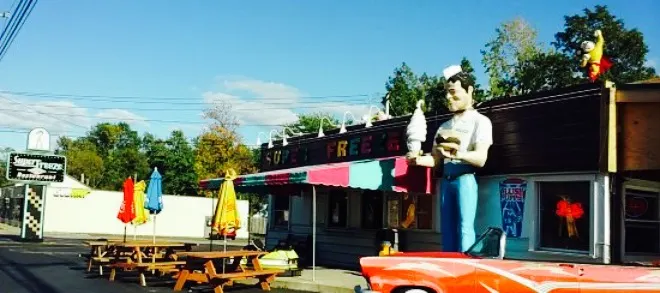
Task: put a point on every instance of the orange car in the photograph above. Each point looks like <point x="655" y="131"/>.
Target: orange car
<point x="483" y="268"/>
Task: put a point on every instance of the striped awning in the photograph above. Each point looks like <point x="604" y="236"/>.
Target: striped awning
<point x="388" y="174"/>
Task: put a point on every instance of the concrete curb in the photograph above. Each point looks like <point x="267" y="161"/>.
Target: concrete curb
<point x="303" y="285"/>
<point x="310" y="287"/>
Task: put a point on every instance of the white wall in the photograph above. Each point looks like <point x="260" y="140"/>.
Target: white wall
<point x="96" y="213"/>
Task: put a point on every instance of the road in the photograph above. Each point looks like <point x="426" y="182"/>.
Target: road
<point x="56" y="268"/>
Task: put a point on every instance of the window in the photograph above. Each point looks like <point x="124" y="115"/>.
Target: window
<point x="372" y="209"/>
<point x="281" y="210"/>
<point x="642" y="221"/>
<point x="338" y="208"/>
<point x="564" y="213"/>
<point x="409" y="211"/>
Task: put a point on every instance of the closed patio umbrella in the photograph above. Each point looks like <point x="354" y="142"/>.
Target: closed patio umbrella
<point x="141" y="214"/>
<point x="226" y="218"/>
<point x="154" y="198"/>
<point x="127" y="209"/>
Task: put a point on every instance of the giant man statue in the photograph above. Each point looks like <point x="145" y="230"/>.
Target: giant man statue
<point x="461" y="144"/>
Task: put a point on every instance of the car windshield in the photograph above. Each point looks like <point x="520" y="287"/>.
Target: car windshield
<point x="488" y="245"/>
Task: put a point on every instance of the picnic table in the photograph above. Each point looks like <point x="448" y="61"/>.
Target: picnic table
<point x="145" y="256"/>
<point x="202" y="267"/>
<point x="101" y="248"/>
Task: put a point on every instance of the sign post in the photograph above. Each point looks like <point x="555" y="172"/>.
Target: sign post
<point x="36" y="168"/>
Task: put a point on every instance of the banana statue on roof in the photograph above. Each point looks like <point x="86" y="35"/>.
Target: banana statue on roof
<point x="593" y="56"/>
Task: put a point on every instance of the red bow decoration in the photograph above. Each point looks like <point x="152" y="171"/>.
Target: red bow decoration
<point x="569" y="212"/>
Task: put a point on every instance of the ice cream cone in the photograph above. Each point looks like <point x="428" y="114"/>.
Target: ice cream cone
<point x="416" y="132"/>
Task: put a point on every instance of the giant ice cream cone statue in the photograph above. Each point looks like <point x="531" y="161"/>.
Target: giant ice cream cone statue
<point x="416" y="131"/>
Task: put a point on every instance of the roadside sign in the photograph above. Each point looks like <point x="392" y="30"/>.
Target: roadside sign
<point x="35" y="168"/>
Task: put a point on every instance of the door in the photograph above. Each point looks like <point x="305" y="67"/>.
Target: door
<point x="524" y="276"/>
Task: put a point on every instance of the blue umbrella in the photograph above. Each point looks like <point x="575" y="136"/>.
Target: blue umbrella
<point x="154" y="199"/>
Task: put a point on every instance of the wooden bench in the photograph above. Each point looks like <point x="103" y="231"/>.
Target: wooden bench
<point x="163" y="266"/>
<point x="220" y="280"/>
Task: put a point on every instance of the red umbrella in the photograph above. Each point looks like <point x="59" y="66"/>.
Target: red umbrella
<point x="127" y="210"/>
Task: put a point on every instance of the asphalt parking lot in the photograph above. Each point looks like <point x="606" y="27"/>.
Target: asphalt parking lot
<point x="56" y="268"/>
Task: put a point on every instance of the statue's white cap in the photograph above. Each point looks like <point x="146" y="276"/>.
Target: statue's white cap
<point x="451" y="71"/>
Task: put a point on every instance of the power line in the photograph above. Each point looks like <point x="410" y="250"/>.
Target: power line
<point x="186" y="100"/>
<point x="15" y="29"/>
<point x="290" y="107"/>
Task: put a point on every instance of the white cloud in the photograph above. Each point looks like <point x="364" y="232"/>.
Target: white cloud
<point x="59" y="117"/>
<point x="267" y="103"/>
<point x="116" y="115"/>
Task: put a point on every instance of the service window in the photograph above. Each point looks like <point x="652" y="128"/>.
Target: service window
<point x="281" y="208"/>
<point x="338" y="208"/>
<point x="409" y="211"/>
<point x="564" y="213"/>
<point x="372" y="209"/>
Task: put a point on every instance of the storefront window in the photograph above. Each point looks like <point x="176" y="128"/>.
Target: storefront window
<point x="564" y="215"/>
<point x="409" y="211"/>
<point x="281" y="211"/>
<point x="338" y="208"/>
<point x="372" y="209"/>
<point x="642" y="222"/>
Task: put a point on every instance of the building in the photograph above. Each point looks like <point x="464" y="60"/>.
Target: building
<point x="591" y="151"/>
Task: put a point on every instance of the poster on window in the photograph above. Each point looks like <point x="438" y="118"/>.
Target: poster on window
<point x="512" y="203"/>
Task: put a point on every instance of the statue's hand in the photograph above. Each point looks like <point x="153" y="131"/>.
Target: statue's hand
<point x="449" y="146"/>
<point x="598" y="33"/>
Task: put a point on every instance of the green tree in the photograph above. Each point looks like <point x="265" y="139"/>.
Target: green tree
<point x="180" y="165"/>
<point x="404" y="89"/>
<point x="626" y="47"/>
<point x="515" y="43"/>
<point x="310" y="123"/>
<point x="546" y="71"/>
<point x="120" y="148"/>
<point x="82" y="158"/>
<point x="3" y="164"/>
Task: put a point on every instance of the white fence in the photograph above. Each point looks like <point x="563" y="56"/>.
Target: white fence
<point x="96" y="213"/>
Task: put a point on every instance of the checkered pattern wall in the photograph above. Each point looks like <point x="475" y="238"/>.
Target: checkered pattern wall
<point x="34" y="209"/>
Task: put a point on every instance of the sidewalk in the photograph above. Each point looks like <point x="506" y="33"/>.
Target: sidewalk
<point x="327" y="281"/>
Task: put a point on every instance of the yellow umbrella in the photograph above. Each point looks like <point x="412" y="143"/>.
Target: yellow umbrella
<point x="141" y="214"/>
<point x="226" y="216"/>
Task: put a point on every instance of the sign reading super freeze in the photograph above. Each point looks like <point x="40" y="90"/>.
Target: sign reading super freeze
<point x="35" y="167"/>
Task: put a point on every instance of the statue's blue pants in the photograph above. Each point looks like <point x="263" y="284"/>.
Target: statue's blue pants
<point x="458" y="202"/>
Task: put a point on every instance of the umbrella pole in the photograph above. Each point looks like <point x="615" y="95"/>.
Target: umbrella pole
<point x="211" y="224"/>
<point x="125" y="231"/>
<point x="313" y="233"/>
<point x="154" y="234"/>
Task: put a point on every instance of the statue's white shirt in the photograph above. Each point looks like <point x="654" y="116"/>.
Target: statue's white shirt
<point x="471" y="128"/>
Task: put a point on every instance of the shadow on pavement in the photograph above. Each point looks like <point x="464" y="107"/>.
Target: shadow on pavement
<point x="25" y="278"/>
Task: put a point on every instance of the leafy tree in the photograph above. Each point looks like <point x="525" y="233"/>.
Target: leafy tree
<point x="405" y="89"/>
<point x="82" y="158"/>
<point x="310" y="123"/>
<point x="217" y="150"/>
<point x="545" y="71"/>
<point x="180" y="166"/>
<point x="626" y="47"/>
<point x="3" y="163"/>
<point x="514" y="44"/>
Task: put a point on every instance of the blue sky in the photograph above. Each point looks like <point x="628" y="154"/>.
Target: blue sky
<point x="270" y="59"/>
